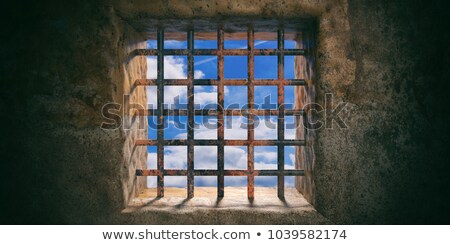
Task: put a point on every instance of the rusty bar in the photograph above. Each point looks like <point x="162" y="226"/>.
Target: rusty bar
<point x="250" y="112"/>
<point x="160" y="107"/>
<point x="290" y="172"/>
<point x="227" y="52"/>
<point x="190" y="129"/>
<point x="220" y="117"/>
<point x="213" y="112"/>
<point x="280" y="124"/>
<point x="142" y="142"/>
<point x="230" y="82"/>
<point x="250" y="116"/>
<point x="210" y="172"/>
<point x="147" y="172"/>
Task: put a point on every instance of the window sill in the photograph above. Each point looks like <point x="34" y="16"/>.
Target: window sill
<point x="234" y="208"/>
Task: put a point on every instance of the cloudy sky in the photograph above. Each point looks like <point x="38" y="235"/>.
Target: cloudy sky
<point x="205" y="157"/>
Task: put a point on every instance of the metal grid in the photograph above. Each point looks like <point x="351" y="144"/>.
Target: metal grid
<point x="220" y="112"/>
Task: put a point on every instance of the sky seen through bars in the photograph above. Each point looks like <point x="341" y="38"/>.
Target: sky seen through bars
<point x="205" y="97"/>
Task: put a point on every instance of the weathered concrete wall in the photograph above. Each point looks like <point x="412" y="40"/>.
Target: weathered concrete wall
<point x="389" y="165"/>
<point x="327" y="68"/>
<point x="134" y="127"/>
<point x="69" y="59"/>
<point x="305" y="98"/>
<point x="61" y="62"/>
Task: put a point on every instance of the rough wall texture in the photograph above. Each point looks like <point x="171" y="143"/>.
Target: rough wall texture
<point x="62" y="61"/>
<point x="305" y="98"/>
<point x="389" y="165"/>
<point x="134" y="127"/>
<point x="66" y="61"/>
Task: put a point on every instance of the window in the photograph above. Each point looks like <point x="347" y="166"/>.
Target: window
<point x="241" y="79"/>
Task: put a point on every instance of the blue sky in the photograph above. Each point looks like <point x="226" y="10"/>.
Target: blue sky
<point x="205" y="67"/>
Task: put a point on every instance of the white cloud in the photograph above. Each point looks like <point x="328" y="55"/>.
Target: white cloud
<point x="206" y="129"/>
<point x="235" y="157"/>
<point x="199" y="74"/>
<point x="152" y="68"/>
<point x="151" y="96"/>
<point x="291" y="164"/>
<point x="264" y="165"/>
<point x="289" y="133"/>
<point x="292" y="158"/>
<point x="206" y="156"/>
<point x="290" y="127"/>
<point x="175" y="157"/>
<point x="174" y="68"/>
<point x="266" y="128"/>
<point x="171" y="92"/>
<point x="235" y="128"/>
<point x="269" y="156"/>
<point x="151" y="160"/>
<point x="204" y="98"/>
<point x="151" y="182"/>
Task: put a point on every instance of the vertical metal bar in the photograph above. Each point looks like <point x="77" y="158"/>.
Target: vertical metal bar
<point x="280" y="124"/>
<point x="159" y="112"/>
<point x="190" y="133"/>
<point x="220" y="117"/>
<point x="250" y="116"/>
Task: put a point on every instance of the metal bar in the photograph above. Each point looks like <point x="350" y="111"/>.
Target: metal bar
<point x="214" y="112"/>
<point x="210" y="172"/>
<point x="190" y="129"/>
<point x="228" y="82"/>
<point x="250" y="116"/>
<point x="290" y="172"/>
<point x="160" y="107"/>
<point x="142" y="142"/>
<point x="227" y="52"/>
<point x="220" y="142"/>
<point x="220" y="117"/>
<point x="280" y="124"/>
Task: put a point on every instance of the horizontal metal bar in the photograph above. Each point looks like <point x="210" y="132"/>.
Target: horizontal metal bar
<point x="289" y="172"/>
<point x="143" y="142"/>
<point x="229" y="82"/>
<point x="210" y="172"/>
<point x="214" y="112"/>
<point x="225" y="52"/>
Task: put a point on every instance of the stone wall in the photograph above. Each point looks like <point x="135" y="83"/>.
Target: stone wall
<point x="385" y="60"/>
<point x="305" y="99"/>
<point x="61" y="62"/>
<point x="68" y="61"/>
<point x="134" y="127"/>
